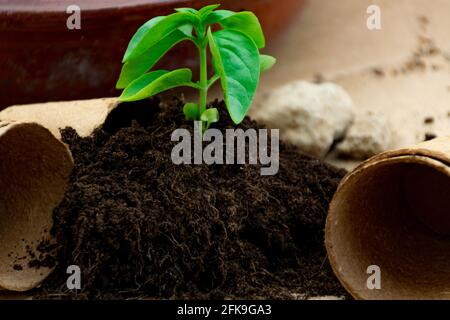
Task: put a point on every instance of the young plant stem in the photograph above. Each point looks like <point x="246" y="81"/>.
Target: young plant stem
<point x="203" y="75"/>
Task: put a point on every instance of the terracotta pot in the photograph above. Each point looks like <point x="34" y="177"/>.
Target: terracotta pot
<point x="42" y="60"/>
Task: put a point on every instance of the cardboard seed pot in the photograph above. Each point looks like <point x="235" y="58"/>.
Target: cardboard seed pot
<point x="35" y="167"/>
<point x="393" y="211"/>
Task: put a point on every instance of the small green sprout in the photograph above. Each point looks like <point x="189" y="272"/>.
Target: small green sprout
<point x="235" y="56"/>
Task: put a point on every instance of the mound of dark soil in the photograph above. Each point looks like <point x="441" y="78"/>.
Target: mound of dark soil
<point x="139" y="226"/>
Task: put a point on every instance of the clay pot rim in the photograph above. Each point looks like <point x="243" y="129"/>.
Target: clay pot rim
<point x="24" y="6"/>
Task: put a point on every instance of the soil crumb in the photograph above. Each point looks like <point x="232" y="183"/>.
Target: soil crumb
<point x="428" y="120"/>
<point x="378" y="72"/>
<point x="430" y="136"/>
<point x="139" y="226"/>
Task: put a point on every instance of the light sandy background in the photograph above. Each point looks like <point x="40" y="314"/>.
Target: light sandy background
<point x="330" y="40"/>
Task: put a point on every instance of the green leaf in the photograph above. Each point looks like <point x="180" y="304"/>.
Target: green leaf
<point x="137" y="85"/>
<point x="210" y="116"/>
<point x="246" y="22"/>
<point x="266" y="62"/>
<point x="187" y="10"/>
<point x="208" y="9"/>
<point x="156" y="82"/>
<point x="134" y="68"/>
<point x="186" y="29"/>
<point x="191" y="111"/>
<point x="155" y="30"/>
<point x="141" y="32"/>
<point x="236" y="59"/>
<point x="217" y="16"/>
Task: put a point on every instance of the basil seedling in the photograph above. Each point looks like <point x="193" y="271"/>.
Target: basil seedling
<point x="235" y="56"/>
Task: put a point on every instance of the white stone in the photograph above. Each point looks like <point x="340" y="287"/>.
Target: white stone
<point x="370" y="134"/>
<point x="311" y="116"/>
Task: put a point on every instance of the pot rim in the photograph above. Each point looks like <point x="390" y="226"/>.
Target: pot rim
<point x="38" y="7"/>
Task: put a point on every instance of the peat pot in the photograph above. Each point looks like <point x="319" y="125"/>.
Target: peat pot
<point x="388" y="228"/>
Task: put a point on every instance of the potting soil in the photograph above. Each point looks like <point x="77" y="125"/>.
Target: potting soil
<point x="139" y="226"/>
